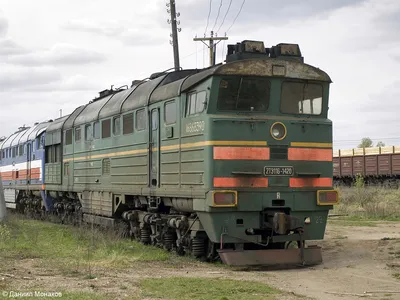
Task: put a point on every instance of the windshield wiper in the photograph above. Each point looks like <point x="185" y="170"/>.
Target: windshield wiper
<point x="238" y="94"/>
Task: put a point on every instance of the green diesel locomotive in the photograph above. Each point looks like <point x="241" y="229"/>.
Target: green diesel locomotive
<point x="233" y="161"/>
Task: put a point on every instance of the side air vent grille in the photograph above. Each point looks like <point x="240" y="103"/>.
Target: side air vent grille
<point x="106" y="166"/>
<point x="279" y="152"/>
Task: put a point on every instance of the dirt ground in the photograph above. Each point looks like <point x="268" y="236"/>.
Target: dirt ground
<point x="359" y="261"/>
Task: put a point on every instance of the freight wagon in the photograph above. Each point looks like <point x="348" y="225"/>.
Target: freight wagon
<point x="377" y="165"/>
<point x="230" y="162"/>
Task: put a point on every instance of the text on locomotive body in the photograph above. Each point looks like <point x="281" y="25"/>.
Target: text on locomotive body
<point x="278" y="171"/>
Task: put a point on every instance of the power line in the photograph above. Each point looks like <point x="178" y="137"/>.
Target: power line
<point x="236" y="15"/>
<point x="208" y="18"/>
<point x="219" y="10"/>
<point x="193" y="53"/>
<point x="223" y="20"/>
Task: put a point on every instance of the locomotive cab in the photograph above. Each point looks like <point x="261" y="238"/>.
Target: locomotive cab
<point x="271" y="161"/>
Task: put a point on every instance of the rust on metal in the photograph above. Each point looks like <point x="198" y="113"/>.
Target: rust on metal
<point x="292" y="256"/>
<point x="264" y="67"/>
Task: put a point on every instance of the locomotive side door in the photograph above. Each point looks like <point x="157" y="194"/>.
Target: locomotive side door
<point x="154" y="148"/>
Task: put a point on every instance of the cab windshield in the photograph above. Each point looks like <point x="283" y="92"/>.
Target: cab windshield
<point x="244" y="94"/>
<point x="301" y="98"/>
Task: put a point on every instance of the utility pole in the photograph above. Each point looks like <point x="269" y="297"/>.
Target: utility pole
<point x="211" y="44"/>
<point x="175" y="30"/>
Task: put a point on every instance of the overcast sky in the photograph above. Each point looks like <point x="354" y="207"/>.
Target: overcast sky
<point x="58" y="54"/>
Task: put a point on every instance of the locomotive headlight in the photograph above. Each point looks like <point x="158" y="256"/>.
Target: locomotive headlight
<point x="224" y="198"/>
<point x="278" y="131"/>
<point x="275" y="132"/>
<point x="330" y="197"/>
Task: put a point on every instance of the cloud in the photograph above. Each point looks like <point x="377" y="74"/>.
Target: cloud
<point x="396" y="58"/>
<point x="109" y="28"/>
<point x="59" y="54"/>
<point x="9" y="47"/>
<point x="383" y="101"/>
<point x="45" y="80"/>
<point x="149" y="33"/>
<point x="16" y="78"/>
<point x="386" y="16"/>
<point x="70" y="84"/>
<point x="138" y="38"/>
<point x="264" y="12"/>
<point x="3" y="25"/>
<point x="30" y="107"/>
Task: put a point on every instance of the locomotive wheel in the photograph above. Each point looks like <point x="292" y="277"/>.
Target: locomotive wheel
<point x="211" y="254"/>
<point x="180" y="251"/>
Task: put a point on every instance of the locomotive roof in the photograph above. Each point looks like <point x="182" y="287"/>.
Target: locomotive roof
<point x="57" y="124"/>
<point x="7" y="142"/>
<point x="13" y="140"/>
<point x="172" y="84"/>
<point x="24" y="135"/>
<point x="35" y="131"/>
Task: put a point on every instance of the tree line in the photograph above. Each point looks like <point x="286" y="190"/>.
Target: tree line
<point x="367" y="142"/>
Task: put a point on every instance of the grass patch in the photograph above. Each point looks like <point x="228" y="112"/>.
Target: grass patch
<point x="396" y="275"/>
<point x="340" y="237"/>
<point x="368" y="203"/>
<point x="71" y="247"/>
<point x="182" y="288"/>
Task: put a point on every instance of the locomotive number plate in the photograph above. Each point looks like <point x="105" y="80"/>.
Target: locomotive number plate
<point x="278" y="171"/>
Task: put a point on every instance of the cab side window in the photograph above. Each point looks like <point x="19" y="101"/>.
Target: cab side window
<point x="140" y="120"/>
<point x="170" y="113"/>
<point x="195" y="103"/>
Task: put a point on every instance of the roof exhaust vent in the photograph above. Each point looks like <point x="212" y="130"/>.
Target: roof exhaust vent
<point x="22" y="128"/>
<point x="136" y="82"/>
<point x="104" y="93"/>
<point x="255" y="49"/>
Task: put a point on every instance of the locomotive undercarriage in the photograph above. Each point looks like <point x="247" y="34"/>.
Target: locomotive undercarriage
<point x="181" y="232"/>
<point x="173" y="231"/>
<point x="65" y="210"/>
<point x="30" y="204"/>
